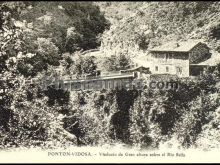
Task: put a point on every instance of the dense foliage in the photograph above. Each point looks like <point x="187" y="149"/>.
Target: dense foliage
<point x="121" y="61"/>
<point x="34" y="36"/>
<point x="140" y="25"/>
<point x="51" y="35"/>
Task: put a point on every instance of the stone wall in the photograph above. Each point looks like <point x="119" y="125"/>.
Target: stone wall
<point x="169" y="65"/>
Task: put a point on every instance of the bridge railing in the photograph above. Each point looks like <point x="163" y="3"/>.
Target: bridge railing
<point x="105" y="76"/>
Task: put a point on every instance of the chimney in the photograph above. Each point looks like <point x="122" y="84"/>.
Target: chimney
<point x="177" y="44"/>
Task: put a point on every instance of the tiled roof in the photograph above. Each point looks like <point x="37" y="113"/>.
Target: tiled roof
<point x="183" y="46"/>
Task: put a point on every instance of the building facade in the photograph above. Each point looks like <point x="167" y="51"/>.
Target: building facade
<point x="176" y="58"/>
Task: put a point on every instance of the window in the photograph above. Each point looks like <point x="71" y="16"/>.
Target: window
<point x="167" y="69"/>
<point x="179" y="70"/>
<point x="168" y="56"/>
<point x="156" y="68"/>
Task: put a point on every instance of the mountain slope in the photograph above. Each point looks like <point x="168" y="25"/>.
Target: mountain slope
<point x="141" y="25"/>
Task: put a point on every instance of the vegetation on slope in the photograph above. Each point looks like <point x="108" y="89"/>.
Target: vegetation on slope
<point x="30" y="47"/>
<point x="32" y="116"/>
<point x="146" y="24"/>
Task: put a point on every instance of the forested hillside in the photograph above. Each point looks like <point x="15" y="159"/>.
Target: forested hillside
<point x="36" y="38"/>
<point x="140" y="25"/>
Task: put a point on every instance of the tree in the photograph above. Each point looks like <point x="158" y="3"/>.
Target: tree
<point x="139" y="124"/>
<point x="70" y="25"/>
<point x="10" y="46"/>
<point x="116" y="63"/>
<point x="85" y="65"/>
<point x="46" y="54"/>
<point x="26" y="119"/>
<point x="91" y="117"/>
<point x="48" y="51"/>
<point x="214" y="31"/>
<point x="73" y="39"/>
